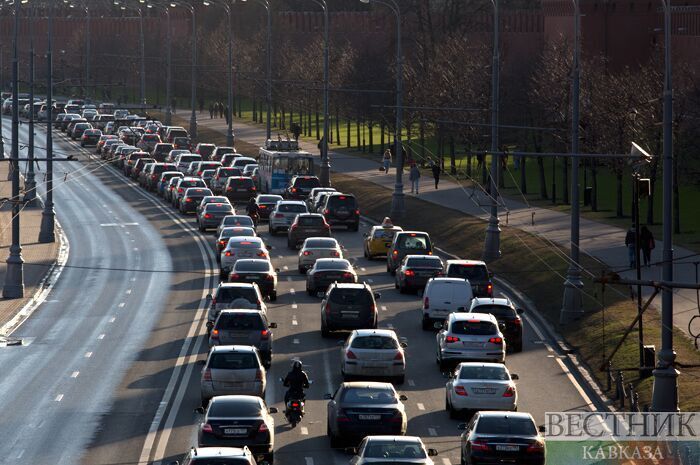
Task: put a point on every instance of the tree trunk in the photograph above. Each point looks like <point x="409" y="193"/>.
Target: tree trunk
<point x="381" y="137"/>
<point x="308" y="121"/>
<point x="337" y="126"/>
<point x="301" y="118"/>
<point x="554" y="180"/>
<point x="453" y="160"/>
<point x="469" y="164"/>
<point x="421" y="130"/>
<point x="523" y="177"/>
<point x="370" y="127"/>
<point x="358" y="129"/>
<point x="283" y="118"/>
<point x="594" y="185"/>
<point x="652" y="193"/>
<point x="565" y="181"/>
<point x="620" y="212"/>
<point x="255" y="109"/>
<point x="347" y="140"/>
<point x="318" y="125"/>
<point x="364" y="139"/>
<point x="543" y="178"/>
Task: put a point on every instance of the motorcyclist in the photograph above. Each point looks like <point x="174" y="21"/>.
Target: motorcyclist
<point x="253" y="210"/>
<point x="296" y="380"/>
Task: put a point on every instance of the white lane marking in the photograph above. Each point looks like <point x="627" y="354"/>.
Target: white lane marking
<point x="292" y="291"/>
<point x="370" y="280"/>
<point x="294" y="320"/>
<point x="21" y="453"/>
<point x="432" y="432"/>
<point x="390" y="326"/>
<point x="101" y="336"/>
<point x="128" y="291"/>
<point x="295" y="306"/>
<point x="304" y="430"/>
<point x="121" y="305"/>
<point x="309" y="460"/>
<point x="295" y="341"/>
<point x="384" y="308"/>
<point x="132" y="279"/>
<point x="59" y="398"/>
<point x="112" y="320"/>
<point x="362" y="268"/>
<point x="136" y="248"/>
<point x="74" y="374"/>
<point x="420" y="406"/>
<point x="281" y="257"/>
<point x="446" y="461"/>
<point x="411" y="383"/>
<point x="88" y="354"/>
<point x="285" y="268"/>
<point x="127" y="233"/>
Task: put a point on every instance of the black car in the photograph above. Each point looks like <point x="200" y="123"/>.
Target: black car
<point x="239" y="189"/>
<point x="300" y="187"/>
<point x="348" y="306"/>
<point x="90" y="137"/>
<point x="508" y="317"/>
<point x="256" y="271"/>
<point x="502" y="437"/>
<point x="415" y="271"/>
<point x="326" y="271"/>
<point x="475" y="271"/>
<point x="266" y="203"/>
<point x="342" y="210"/>
<point x="237" y="421"/>
<point x="192" y="197"/>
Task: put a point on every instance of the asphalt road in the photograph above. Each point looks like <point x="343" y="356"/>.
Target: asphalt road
<point x="146" y="385"/>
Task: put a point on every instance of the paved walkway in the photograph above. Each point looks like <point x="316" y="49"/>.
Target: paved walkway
<point x="601" y="241"/>
<point x="38" y="257"/>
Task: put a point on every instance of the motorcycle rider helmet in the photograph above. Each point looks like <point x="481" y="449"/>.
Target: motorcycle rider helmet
<point x="297" y="365"/>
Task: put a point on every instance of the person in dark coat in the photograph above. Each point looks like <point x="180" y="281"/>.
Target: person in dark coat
<point x="631" y="244"/>
<point x="647" y="244"/>
<point x="436" y="172"/>
<point x="212" y="109"/>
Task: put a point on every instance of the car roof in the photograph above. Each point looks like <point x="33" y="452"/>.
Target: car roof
<point x="234" y="348"/>
<point x="236" y="397"/>
<point x="482" y="365"/>
<point x="466" y="262"/>
<point x="248" y="260"/>
<point x="292" y="202"/>
<point x="349" y="285"/>
<point x="223" y="452"/>
<point x="236" y="216"/>
<point x="329" y="260"/>
<point x="492" y="301"/>
<point x="501" y="414"/>
<point x="411" y="439"/>
<point x="374" y="332"/>
<point x="424" y="257"/>
<point x="310" y="215"/>
<point x="393" y="227"/>
<point x="443" y="279"/>
<point x="240" y="285"/>
<point x="367" y="384"/>
<point x="472" y="316"/>
<point x="320" y="238"/>
<point x="414" y="232"/>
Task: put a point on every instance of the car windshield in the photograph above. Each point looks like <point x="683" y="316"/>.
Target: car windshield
<point x="307" y="183"/>
<point x="333" y="265"/>
<point x="244" y="266"/>
<point x="225" y="172"/>
<point x="470" y="272"/>
<point x="240" y="321"/>
<point x="497" y="373"/>
<point x="374" y="342"/>
<point x="241" y="407"/>
<point x="321" y="244"/>
<point x="413" y="242"/>
<point x="246" y="244"/>
<point x="189" y="158"/>
<point x="427" y="262"/>
<point x="219" y="461"/>
<point x="383" y="234"/>
<point x="337" y="201"/>
<point x="345" y="296"/>
<point x="241" y="182"/>
<point x="239" y="220"/>
<point x="291" y="208"/>
<point x="234" y="361"/>
<point x="507" y="426"/>
<point x="269" y="199"/>
<point x="369" y="396"/>
<point x="501" y="311"/>
<point x="229" y="294"/>
<point x="192" y="183"/>
<point x="474" y="328"/>
<point x="208" y="173"/>
<point x="310" y="221"/>
<point x="216" y="207"/>
<point x="394" y="450"/>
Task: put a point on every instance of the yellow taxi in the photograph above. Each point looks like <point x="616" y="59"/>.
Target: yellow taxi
<point x="379" y="239"/>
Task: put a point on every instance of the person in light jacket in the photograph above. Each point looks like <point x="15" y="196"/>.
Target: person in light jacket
<point x="386" y="161"/>
<point x="414" y="177"/>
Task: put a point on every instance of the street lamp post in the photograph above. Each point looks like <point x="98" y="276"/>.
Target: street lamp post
<point x="492" y="243"/>
<point x="572" y="305"/>
<point x="2" y="86"/>
<point x="266" y="5"/>
<point x="665" y="390"/>
<point x="30" y="182"/>
<point x="325" y="173"/>
<point x="46" y="233"/>
<point x="87" y="50"/>
<point x="398" y="208"/>
<point x="14" y="276"/>
<point x="193" y="93"/>
<point x="168" y="72"/>
<point x="142" y="44"/>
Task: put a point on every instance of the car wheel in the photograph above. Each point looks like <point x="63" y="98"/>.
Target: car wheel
<point x="454" y="414"/>
<point x="388" y="269"/>
<point x="310" y="292"/>
<point x="270" y="458"/>
<point x="392" y="272"/>
<point x="442" y="365"/>
<point x="461" y="459"/>
<point x="201" y="229"/>
<point x="302" y="270"/>
<point x="396" y="284"/>
<point x="222" y="275"/>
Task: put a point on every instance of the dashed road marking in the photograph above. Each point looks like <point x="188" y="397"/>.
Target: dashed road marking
<point x="289" y="278"/>
<point x="88" y="354"/>
<point x="294" y="320"/>
<point x="132" y="279"/>
<point x="295" y="341"/>
<point x="309" y="460"/>
<point x="20" y="454"/>
<point x="304" y="430"/>
<point x="292" y="291"/>
<point x="295" y="306"/>
<point x="384" y="308"/>
<point x="362" y="268"/>
<point x="101" y="336"/>
<point x="59" y="398"/>
<point x="420" y="406"/>
<point x="281" y="257"/>
<point x="411" y="383"/>
<point x="121" y="305"/>
<point x="370" y="280"/>
<point x="74" y="374"/>
<point x="112" y="320"/>
<point x="136" y="249"/>
<point x="285" y="268"/>
<point x="128" y="291"/>
<point x="432" y="431"/>
<point x="446" y="461"/>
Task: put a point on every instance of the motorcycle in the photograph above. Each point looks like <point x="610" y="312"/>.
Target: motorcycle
<point x="294" y="410"/>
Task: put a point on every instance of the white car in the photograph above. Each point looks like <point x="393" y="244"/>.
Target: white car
<point x="248" y="169"/>
<point x="480" y="386"/>
<point x="373" y="353"/>
<point x="242" y="247"/>
<point x="284" y="213"/>
<point x="470" y="337"/>
<point x="393" y="450"/>
<point x="318" y="247"/>
<point x="243" y="221"/>
<point x="443" y="296"/>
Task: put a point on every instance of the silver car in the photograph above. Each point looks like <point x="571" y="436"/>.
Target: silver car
<point x="249" y="327"/>
<point x="232" y="369"/>
<point x="393" y="450"/>
<point x="480" y="386"/>
<point x="242" y="247"/>
<point x="318" y="247"/>
<point x="284" y="213"/>
<point x="369" y="353"/>
<point x="229" y="232"/>
<point x="210" y="216"/>
<point x="470" y="337"/>
<point x="243" y="221"/>
<point x="234" y="295"/>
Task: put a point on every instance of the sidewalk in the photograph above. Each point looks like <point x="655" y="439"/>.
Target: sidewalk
<point x="38" y="257"/>
<point x="601" y="241"/>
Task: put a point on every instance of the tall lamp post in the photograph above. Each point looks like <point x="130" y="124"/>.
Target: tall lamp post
<point x="325" y="173"/>
<point x="572" y="305"/>
<point x="398" y="208"/>
<point x="14" y="276"/>
<point x="46" y="233"/>
<point x="229" y="72"/>
<point x="492" y="243"/>
<point x="665" y="390"/>
<point x="30" y="182"/>
<point x="193" y="102"/>
<point x="142" y="44"/>
<point x="266" y="5"/>
<point x="87" y="50"/>
<point x="168" y="72"/>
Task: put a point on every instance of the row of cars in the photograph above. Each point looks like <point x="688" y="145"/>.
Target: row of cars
<point x="471" y="341"/>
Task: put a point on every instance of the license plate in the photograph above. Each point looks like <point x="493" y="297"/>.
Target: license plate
<point x="374" y="365"/>
<point x="472" y="344"/>
<point x="506" y="448"/>
<point x="369" y="417"/>
<point x="241" y="189"/>
<point x="348" y="315"/>
<point x="235" y="431"/>
<point x="251" y="278"/>
<point x="483" y="390"/>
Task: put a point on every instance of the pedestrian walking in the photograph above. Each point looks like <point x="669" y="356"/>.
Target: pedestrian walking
<point x="296" y="130"/>
<point x="226" y="114"/>
<point x="201" y="104"/>
<point x="211" y="111"/>
<point x="647" y="243"/>
<point x="631" y="243"/>
<point x="221" y="110"/>
<point x="386" y="160"/>
<point x="436" y="172"/>
<point x="414" y="177"/>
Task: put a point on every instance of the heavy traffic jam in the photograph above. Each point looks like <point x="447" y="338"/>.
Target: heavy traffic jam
<point x="241" y="203"/>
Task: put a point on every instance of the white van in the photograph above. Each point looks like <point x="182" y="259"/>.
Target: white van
<point x="443" y="296"/>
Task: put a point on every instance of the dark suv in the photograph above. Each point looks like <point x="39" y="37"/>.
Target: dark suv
<point x="239" y="188"/>
<point x="244" y="327"/>
<point x="307" y="225"/>
<point x="348" y="306"/>
<point x="475" y="271"/>
<point x="300" y="187"/>
<point x="342" y="209"/>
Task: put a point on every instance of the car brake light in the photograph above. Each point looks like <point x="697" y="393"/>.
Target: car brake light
<point x="153" y="176"/>
<point x="294" y="189"/>
<point x="279" y="215"/>
<point x="228" y="253"/>
<point x="342" y="417"/>
<point x="426" y="303"/>
<point x="535" y="447"/>
<point x="489" y="289"/>
<point x="188" y="199"/>
<point x="180" y="189"/>
<point x="262" y="428"/>
<point x="460" y="391"/>
<point x="335" y="253"/>
<point x="270" y="277"/>
<point x="479" y="445"/>
<point x="233" y="276"/>
<point x="351" y="355"/>
<point x="265" y="334"/>
<point x="342" y="197"/>
<point x="307" y="253"/>
<point x="262" y="254"/>
<point x="253" y="188"/>
<point x="357" y="212"/>
<point x="410" y="273"/>
<point x="326" y="211"/>
<point x="495" y="340"/>
<point x="206" y="428"/>
<point x="215" y="334"/>
<point x="259" y="375"/>
<point x="395" y="252"/>
<point x="207" y="215"/>
<point x="222" y="242"/>
<point x="347" y="275"/>
<point x="451" y="339"/>
<point x="207" y="375"/>
<point x="294" y="226"/>
<point x="295" y="404"/>
<point x="398" y="356"/>
<point x="510" y="392"/>
<point x="517" y="322"/>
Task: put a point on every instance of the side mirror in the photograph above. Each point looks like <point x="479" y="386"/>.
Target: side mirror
<point x="273" y="410"/>
<point x="462" y="427"/>
<point x="201" y="362"/>
<point x="199" y="410"/>
<point x="328" y="396"/>
<point x="272" y="325"/>
<point x="268" y="246"/>
<point x="542" y="429"/>
<point x="520" y="311"/>
<point x="377" y="295"/>
<point x="277" y="270"/>
<point x="350" y="450"/>
<point x="432" y="452"/>
<point x="403" y="345"/>
<point x="514" y="377"/>
<point x="209" y="297"/>
<point x="403" y="397"/>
